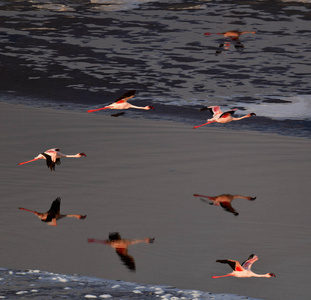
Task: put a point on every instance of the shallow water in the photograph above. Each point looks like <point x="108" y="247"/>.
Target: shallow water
<point x="82" y="54"/>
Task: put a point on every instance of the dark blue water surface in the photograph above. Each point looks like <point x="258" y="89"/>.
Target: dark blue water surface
<point x="82" y="54"/>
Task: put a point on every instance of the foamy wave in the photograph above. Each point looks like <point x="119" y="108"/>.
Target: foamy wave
<point x="81" y="287"/>
<point x="117" y="5"/>
<point x="296" y="108"/>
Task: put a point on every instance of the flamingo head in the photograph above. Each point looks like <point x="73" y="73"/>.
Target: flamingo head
<point x="82" y="154"/>
<point x="271" y="274"/>
<point x="150" y="107"/>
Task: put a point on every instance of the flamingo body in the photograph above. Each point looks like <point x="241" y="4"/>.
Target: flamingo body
<point x="222" y="117"/>
<point x="52" y="157"/>
<point x="242" y="270"/>
<point x="121" y="103"/>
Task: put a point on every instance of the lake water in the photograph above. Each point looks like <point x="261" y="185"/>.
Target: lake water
<point x="80" y="54"/>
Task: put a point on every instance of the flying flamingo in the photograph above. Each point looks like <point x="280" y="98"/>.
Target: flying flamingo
<point x="52" y="157"/>
<point x="243" y="270"/>
<point x="121" y="245"/>
<point x="222" y="117"/>
<point x="234" y="36"/>
<point x="53" y="214"/>
<point x="121" y="103"/>
<point x="225" y="201"/>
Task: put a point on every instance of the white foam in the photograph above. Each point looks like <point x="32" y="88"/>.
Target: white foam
<point x="21" y="292"/>
<point x="296" y="107"/>
<point x="116" y="286"/>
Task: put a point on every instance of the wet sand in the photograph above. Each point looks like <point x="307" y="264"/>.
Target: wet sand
<point x="138" y="179"/>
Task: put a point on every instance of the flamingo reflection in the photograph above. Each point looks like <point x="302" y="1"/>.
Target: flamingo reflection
<point x="234" y="36"/>
<point x="121" y="245"/>
<point x="224" y="201"/>
<point x="53" y="214"/>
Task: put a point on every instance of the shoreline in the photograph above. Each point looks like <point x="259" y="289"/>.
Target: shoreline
<point x="37" y="284"/>
<point x="186" y="115"/>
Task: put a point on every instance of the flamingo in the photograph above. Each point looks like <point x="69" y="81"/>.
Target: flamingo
<point x="243" y="270"/>
<point x="222" y="117"/>
<point x="225" y="201"/>
<point x="52" y="157"/>
<point x="121" y="245"/>
<point x="234" y="36"/>
<point x="121" y="103"/>
<point x="53" y="214"/>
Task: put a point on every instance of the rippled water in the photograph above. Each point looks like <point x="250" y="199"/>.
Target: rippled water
<point x="83" y="54"/>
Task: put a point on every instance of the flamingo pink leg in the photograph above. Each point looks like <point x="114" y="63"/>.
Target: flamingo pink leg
<point x="96" y="241"/>
<point x="222" y="276"/>
<point x="203" y="124"/>
<point x="28" y="210"/>
<point x="97" y="109"/>
<point x="26" y="162"/>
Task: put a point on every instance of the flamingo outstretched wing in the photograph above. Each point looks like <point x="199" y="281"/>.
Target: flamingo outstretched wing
<point x="234" y="264"/>
<point x="248" y="263"/>
<point x="128" y="95"/>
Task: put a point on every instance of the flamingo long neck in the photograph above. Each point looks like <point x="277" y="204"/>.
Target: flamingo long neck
<point x="139" y="107"/>
<point x="70" y="155"/>
<point x="237" y="119"/>
<point x="240" y="196"/>
<point x="267" y="275"/>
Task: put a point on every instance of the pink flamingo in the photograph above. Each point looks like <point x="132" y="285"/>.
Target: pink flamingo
<point x="52" y="157"/>
<point x="225" y="200"/>
<point x="121" y="246"/>
<point x="53" y="214"/>
<point x="121" y="103"/>
<point x="243" y="270"/>
<point x="222" y="117"/>
<point x="232" y="34"/>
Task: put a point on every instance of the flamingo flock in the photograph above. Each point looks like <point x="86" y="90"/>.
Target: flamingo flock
<point x="53" y="156"/>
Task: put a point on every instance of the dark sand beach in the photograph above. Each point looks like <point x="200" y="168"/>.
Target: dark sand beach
<point x="138" y="179"/>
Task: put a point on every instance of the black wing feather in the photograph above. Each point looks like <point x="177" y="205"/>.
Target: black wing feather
<point x="226" y="261"/>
